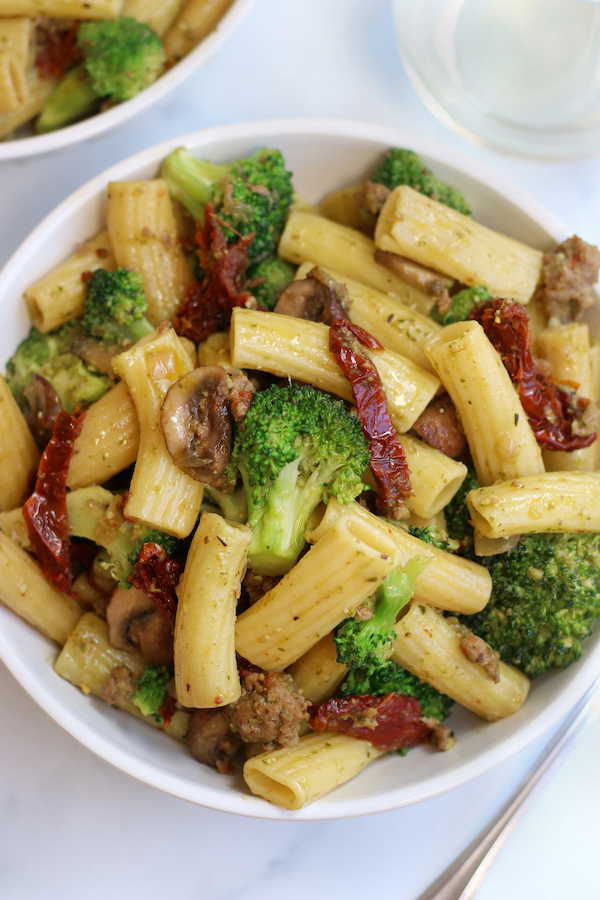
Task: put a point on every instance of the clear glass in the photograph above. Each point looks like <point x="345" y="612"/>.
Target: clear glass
<point x="521" y="75"/>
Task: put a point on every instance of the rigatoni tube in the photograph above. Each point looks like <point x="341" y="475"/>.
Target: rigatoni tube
<point x="143" y="231"/>
<point x="397" y="326"/>
<point x="59" y="296"/>
<point x="27" y="592"/>
<point x="449" y="582"/>
<point x="411" y="224"/>
<point x="286" y="346"/>
<point x="337" y="248"/>
<point x="558" y="502"/>
<point x="501" y="441"/>
<point x="19" y="454"/>
<point x="294" y="776"/>
<point x="161" y="495"/>
<point x="337" y="574"/>
<point x="567" y="349"/>
<point x="429" y="646"/>
<point x="206" y="674"/>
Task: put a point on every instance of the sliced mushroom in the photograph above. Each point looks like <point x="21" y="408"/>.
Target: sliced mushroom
<point x="97" y="354"/>
<point x="427" y="280"/>
<point x="317" y="298"/>
<point x="44" y="406"/>
<point x="135" y="623"/>
<point x="440" y="426"/>
<point x="196" y="424"/>
<point x="304" y="299"/>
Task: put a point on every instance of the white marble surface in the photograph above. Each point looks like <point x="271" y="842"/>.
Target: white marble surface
<point x="70" y="826"/>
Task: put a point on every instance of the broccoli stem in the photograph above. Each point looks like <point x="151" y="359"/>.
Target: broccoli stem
<point x="394" y="594"/>
<point x="191" y="181"/>
<point x="278" y="524"/>
<point x="140" y="328"/>
<point x="73" y="98"/>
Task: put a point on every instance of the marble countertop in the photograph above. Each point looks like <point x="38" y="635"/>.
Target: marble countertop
<point x="71" y="826"/>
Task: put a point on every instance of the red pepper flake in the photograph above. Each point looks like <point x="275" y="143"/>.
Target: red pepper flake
<point x="167" y="710"/>
<point x="86" y="277"/>
<point x="59" y="50"/>
<point x="556" y="417"/>
<point x="388" y="460"/>
<point x="389" y="723"/>
<point x="45" y="512"/>
<point x="207" y="306"/>
<point x="158" y="575"/>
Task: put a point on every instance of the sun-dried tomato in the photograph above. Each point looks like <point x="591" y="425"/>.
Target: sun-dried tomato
<point x="555" y="415"/>
<point x="167" y="710"/>
<point x="207" y="306"/>
<point x="388" y="460"/>
<point x="45" y="512"/>
<point x="158" y="575"/>
<point x="389" y="723"/>
<point x="58" y="51"/>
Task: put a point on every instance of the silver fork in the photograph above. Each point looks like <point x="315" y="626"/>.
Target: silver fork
<point x="464" y="877"/>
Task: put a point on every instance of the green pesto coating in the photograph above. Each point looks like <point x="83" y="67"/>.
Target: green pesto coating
<point x="151" y="691"/>
<point x="114" y="306"/>
<point x="296" y="447"/>
<point x="122" y="57"/>
<point x="392" y="677"/>
<point x="251" y="196"/>
<point x="49" y="355"/>
<point x="405" y="167"/>
<point x="462" y="304"/>
<point x="274" y="275"/>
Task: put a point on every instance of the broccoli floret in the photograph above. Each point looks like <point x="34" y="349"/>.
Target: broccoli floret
<point x="366" y="645"/>
<point x="545" y="593"/>
<point x="121" y="58"/>
<point x="151" y="691"/>
<point x="251" y="195"/>
<point x="435" y="536"/>
<point x="49" y="355"/>
<point x="272" y="276"/>
<point x="405" y="167"/>
<point x="462" y="304"/>
<point x="114" y="306"/>
<point x="392" y="677"/>
<point x="296" y="447"/>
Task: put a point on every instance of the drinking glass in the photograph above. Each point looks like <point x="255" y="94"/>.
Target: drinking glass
<point x="520" y="75"/>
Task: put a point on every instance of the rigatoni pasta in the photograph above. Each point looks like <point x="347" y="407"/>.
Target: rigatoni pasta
<point x="205" y="663"/>
<point x="284" y="345"/>
<point x="501" y="441"/>
<point x="558" y="502"/>
<point x="59" y="296"/>
<point x="173" y="502"/>
<point x="143" y="232"/>
<point x="433" y="234"/>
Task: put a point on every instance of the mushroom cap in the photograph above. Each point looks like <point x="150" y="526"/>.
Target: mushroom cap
<point x="196" y="423"/>
<point x="134" y="623"/>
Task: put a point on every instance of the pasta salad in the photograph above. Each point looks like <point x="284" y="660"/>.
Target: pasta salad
<point x="288" y="482"/>
<point x="62" y="61"/>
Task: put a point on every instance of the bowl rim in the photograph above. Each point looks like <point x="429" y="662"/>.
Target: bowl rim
<point x="178" y="785"/>
<point x="112" y="118"/>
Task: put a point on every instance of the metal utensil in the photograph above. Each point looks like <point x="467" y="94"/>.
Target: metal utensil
<point x="464" y="877"/>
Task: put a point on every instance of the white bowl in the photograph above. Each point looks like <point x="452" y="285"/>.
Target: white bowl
<point x="105" y="121"/>
<point x="323" y="155"/>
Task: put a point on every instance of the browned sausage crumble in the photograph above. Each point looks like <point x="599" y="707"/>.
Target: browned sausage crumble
<point x="270" y="709"/>
<point x="477" y="651"/>
<point x="118" y="687"/>
<point x="440" y="426"/>
<point x="568" y="276"/>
